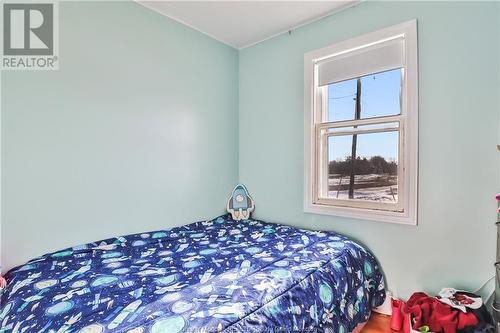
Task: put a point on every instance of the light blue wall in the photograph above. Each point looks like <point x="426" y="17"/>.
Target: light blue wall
<point x="136" y="131"/>
<point x="454" y="243"/>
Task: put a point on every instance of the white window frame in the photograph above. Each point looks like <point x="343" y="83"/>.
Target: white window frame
<point x="314" y="102"/>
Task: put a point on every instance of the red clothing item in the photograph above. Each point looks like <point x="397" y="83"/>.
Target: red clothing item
<point x="449" y="322"/>
<point x="466" y="320"/>
<point x="438" y="316"/>
<point x="420" y="306"/>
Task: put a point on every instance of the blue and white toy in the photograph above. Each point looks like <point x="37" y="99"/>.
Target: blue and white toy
<point x="240" y="204"/>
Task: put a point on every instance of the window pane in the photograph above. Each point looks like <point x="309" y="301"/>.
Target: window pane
<point x="342" y="100"/>
<point x="375" y="167"/>
<point x="380" y="96"/>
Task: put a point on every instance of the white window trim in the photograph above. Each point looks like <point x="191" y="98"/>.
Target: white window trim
<point x="409" y="111"/>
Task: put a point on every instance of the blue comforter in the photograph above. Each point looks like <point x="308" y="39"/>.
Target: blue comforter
<point x="211" y="276"/>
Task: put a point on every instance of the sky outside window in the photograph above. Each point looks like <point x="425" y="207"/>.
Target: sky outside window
<point x="380" y="96"/>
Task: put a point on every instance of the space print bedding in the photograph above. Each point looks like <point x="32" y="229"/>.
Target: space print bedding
<point x="220" y="275"/>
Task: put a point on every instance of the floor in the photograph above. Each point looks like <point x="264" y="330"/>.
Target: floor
<point x="378" y="324"/>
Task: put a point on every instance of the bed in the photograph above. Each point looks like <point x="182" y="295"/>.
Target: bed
<point x="219" y="275"/>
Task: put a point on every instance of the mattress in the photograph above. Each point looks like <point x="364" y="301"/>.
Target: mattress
<point x="219" y="275"/>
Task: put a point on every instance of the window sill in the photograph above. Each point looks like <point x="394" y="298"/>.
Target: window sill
<point x="362" y="214"/>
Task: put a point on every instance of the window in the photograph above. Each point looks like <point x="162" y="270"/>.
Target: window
<point x="361" y="127"/>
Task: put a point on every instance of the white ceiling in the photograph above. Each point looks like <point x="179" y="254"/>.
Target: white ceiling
<point x="244" y="23"/>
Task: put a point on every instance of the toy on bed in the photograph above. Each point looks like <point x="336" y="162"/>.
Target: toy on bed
<point x="240" y="204"/>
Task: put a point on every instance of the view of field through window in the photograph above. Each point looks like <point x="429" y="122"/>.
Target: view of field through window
<point x="364" y="166"/>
